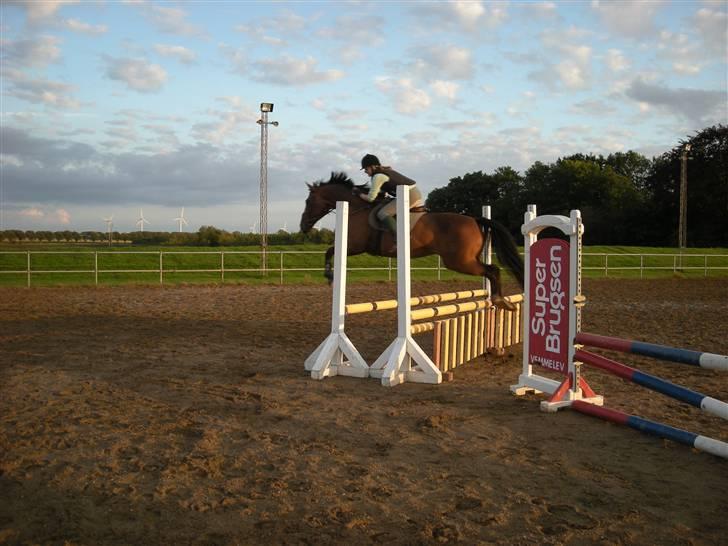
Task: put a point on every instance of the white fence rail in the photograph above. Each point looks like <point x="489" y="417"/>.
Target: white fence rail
<point x="704" y="263"/>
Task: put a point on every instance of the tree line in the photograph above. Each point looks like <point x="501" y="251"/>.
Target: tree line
<point x="624" y="198"/>
<point x="205" y="236"/>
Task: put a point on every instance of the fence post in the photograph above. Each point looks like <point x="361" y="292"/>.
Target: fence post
<point x="96" y="267"/>
<point x="642" y="264"/>
<point x="28" y="268"/>
<point x="705" y="265"/>
<point x="222" y="267"/>
<point x="161" y="269"/>
<point x="439" y="268"/>
<point x="389" y="269"/>
<point x="281" y="253"/>
<point x="606" y="265"/>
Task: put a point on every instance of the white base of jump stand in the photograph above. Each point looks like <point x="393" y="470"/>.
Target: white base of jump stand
<point x="395" y="364"/>
<point x="328" y="359"/>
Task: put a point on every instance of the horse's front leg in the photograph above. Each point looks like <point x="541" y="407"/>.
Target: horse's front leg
<point x="328" y="267"/>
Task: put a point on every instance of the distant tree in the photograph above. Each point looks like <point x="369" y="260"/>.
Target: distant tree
<point x="609" y="202"/>
<point x="468" y="193"/>
<point x="631" y="164"/>
<point x="707" y="191"/>
<point x="209" y="235"/>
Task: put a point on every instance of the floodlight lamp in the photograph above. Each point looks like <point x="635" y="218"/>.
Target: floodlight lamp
<point x="266" y="106"/>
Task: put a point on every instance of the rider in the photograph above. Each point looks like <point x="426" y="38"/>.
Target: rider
<point x="387" y="179"/>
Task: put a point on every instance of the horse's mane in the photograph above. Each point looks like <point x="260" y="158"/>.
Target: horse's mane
<point x="340" y="178"/>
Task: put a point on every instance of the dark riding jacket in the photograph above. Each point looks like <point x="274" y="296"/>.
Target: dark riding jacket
<point x="395" y="179"/>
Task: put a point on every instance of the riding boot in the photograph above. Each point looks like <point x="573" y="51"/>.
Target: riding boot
<point x="391" y="224"/>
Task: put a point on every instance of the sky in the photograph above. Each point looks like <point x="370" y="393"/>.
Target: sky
<point x="110" y="108"/>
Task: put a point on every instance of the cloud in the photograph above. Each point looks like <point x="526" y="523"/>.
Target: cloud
<point x="292" y="71"/>
<point x="445" y="89"/>
<point x="686" y="55"/>
<point x="712" y="27"/>
<point x="171" y="21"/>
<point x="36" y="52"/>
<point x="630" y="18"/>
<point x="84" y="28"/>
<point x="45" y="215"/>
<point x="59" y="172"/>
<point x="32" y="212"/>
<point x="225" y="123"/>
<point x="269" y="30"/>
<point x="462" y="15"/>
<point x="354" y="34"/>
<point x="138" y="74"/>
<point x="542" y="10"/>
<point x="181" y="53"/>
<point x="40" y="12"/>
<point x="573" y="70"/>
<point x="40" y="91"/>
<point x="616" y="61"/>
<point x="406" y="97"/>
<point x="450" y="62"/>
<point x="63" y="216"/>
<point x="364" y="30"/>
<point x="696" y="105"/>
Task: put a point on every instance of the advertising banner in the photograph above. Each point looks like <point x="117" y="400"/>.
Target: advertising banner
<point x="548" y="293"/>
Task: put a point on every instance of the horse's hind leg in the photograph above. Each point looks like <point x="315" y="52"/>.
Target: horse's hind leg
<point x="493" y="274"/>
<point x="476" y="267"/>
<point x="328" y="267"/>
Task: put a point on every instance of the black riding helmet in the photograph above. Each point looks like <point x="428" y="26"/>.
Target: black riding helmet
<point x="369" y="160"/>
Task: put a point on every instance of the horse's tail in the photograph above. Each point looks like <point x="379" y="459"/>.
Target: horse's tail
<point x="505" y="247"/>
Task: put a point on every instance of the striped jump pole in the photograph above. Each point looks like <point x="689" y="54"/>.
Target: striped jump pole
<point x="684" y="356"/>
<point x="705" y="403"/>
<point x="702" y="443"/>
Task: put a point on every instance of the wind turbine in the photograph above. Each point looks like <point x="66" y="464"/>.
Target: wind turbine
<point x="141" y="221"/>
<point x="109" y="225"/>
<point x="252" y="226"/>
<point x="285" y="226"/>
<point x="181" y="219"/>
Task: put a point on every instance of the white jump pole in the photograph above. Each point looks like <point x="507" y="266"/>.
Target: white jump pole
<point x="328" y="358"/>
<point x="395" y="364"/>
<point x="487" y="251"/>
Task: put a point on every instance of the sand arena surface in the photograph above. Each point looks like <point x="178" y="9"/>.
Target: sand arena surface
<point x="147" y="415"/>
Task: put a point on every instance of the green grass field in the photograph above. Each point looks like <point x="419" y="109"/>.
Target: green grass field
<point x="75" y="264"/>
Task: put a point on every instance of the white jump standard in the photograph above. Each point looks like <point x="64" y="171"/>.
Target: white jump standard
<point x="328" y="358"/>
<point x="395" y="364"/>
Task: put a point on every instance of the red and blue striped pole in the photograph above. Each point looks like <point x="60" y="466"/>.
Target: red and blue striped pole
<point x="705" y="403"/>
<point x="703" y="443"/>
<point x="684" y="356"/>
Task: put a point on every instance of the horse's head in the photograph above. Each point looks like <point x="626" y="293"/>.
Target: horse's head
<point x="322" y="198"/>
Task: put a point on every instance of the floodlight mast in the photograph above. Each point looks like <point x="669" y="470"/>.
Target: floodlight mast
<point x="683" y="221"/>
<point x="265" y="109"/>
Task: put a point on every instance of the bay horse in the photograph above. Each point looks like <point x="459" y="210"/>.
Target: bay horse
<point x="456" y="238"/>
